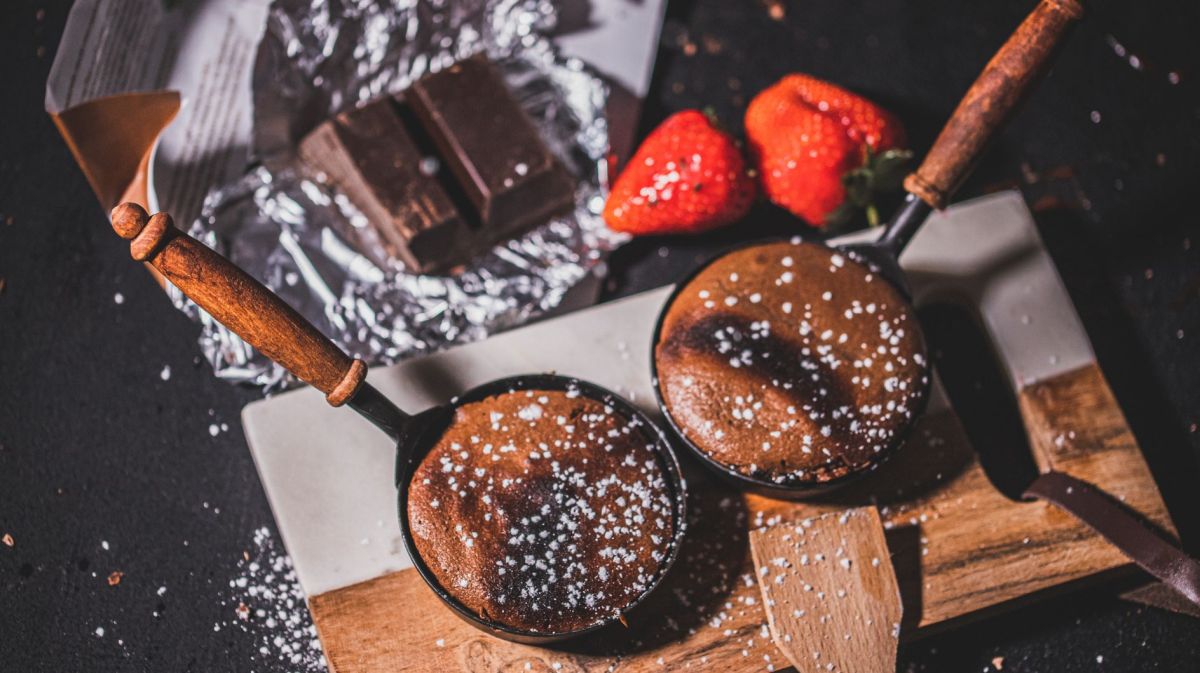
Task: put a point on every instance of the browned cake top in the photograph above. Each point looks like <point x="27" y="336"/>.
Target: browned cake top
<point x="791" y="362"/>
<point x="544" y="511"/>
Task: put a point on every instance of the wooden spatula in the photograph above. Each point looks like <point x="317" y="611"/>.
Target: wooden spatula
<point x="830" y="591"/>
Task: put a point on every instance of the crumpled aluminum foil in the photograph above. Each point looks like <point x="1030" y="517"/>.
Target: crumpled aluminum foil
<point x="319" y="57"/>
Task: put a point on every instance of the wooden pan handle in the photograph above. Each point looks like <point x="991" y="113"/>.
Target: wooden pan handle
<point x="991" y="100"/>
<point x="240" y="303"/>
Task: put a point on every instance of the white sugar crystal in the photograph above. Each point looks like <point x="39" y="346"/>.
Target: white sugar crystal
<point x="530" y="413"/>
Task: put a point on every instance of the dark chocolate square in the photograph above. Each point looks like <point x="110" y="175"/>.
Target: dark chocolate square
<point x="369" y="155"/>
<point x="513" y="180"/>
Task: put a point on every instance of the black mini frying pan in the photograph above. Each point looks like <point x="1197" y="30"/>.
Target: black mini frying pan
<point x="264" y="321"/>
<point x="988" y="104"/>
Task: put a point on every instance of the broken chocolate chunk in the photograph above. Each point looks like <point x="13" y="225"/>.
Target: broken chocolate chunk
<point x="445" y="172"/>
<point x="369" y="155"/>
<point x="512" y="179"/>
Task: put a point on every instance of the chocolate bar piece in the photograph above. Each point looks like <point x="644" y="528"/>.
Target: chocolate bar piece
<point x="370" y="156"/>
<point x="495" y="153"/>
<point x="499" y="177"/>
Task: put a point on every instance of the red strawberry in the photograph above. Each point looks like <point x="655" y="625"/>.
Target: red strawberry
<point x="688" y="176"/>
<point x="817" y="144"/>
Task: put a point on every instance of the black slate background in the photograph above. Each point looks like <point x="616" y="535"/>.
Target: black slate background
<point x="95" y="447"/>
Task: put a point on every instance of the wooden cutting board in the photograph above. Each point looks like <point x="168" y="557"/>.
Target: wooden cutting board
<point x="960" y="548"/>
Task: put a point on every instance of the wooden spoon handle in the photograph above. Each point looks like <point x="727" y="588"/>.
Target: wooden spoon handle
<point x="240" y="303"/>
<point x="998" y="91"/>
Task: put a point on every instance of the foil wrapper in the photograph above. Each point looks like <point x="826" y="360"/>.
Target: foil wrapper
<point x="288" y="229"/>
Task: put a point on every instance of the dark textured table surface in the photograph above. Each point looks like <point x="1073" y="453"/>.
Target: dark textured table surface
<point x="106" y="467"/>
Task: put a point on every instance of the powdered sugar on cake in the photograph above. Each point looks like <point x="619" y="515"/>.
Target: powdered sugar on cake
<point x="552" y="510"/>
<point x="791" y="362"/>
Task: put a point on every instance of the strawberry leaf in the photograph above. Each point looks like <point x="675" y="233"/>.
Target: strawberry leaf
<point x="858" y="184"/>
<point x="890" y="169"/>
<point x="841" y="215"/>
<point x="879" y="174"/>
<point x="713" y="120"/>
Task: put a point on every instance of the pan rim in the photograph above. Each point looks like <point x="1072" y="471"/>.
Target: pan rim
<point x="800" y="489"/>
<point x="664" y="450"/>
